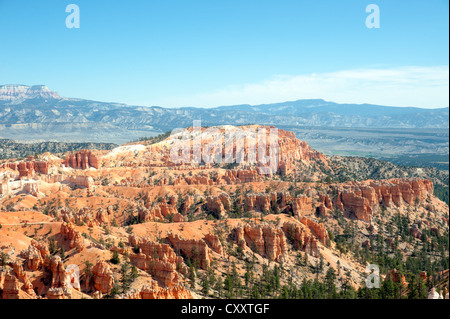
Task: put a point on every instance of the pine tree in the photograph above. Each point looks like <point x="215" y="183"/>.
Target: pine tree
<point x="3" y="259"/>
<point x="330" y="277"/>
<point x="125" y="278"/>
<point x="205" y="286"/>
<point x="219" y="287"/>
<point x="115" y="259"/>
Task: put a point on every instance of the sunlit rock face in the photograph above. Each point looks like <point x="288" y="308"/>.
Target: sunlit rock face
<point x="12" y="92"/>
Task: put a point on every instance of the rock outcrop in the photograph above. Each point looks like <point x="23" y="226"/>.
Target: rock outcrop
<point x="160" y="210"/>
<point x="82" y="160"/>
<point x="58" y="272"/>
<point x="158" y="259"/>
<point x="103" y="277"/>
<point x="197" y="250"/>
<point x="214" y="243"/>
<point x="362" y="198"/>
<point x="154" y="291"/>
<point x="265" y="239"/>
<point x="301" y="238"/>
<point x="33" y="256"/>
<point x="28" y="168"/>
<point x="317" y="229"/>
<point x="219" y="205"/>
<point x="73" y="236"/>
<point x="59" y="293"/>
<point x="396" y="277"/>
<point x="10" y="286"/>
<point x="301" y="205"/>
<point x="87" y="216"/>
<point x="292" y="150"/>
<point x="14" y="92"/>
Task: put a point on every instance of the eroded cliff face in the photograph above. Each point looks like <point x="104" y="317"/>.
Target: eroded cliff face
<point x="10" y="285"/>
<point x="74" y="236"/>
<point x="82" y="160"/>
<point x="160" y="210"/>
<point x="103" y="277"/>
<point x="15" y="92"/>
<point x="362" y="198"/>
<point x="28" y="168"/>
<point x="267" y="240"/>
<point x="293" y="150"/>
<point x="85" y="215"/>
<point x="158" y="259"/>
<point x="214" y="243"/>
<point x="35" y="255"/>
<point x="197" y="250"/>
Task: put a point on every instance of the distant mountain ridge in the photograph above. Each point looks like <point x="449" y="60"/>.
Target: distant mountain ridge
<point x="15" y="92"/>
<point x="40" y="112"/>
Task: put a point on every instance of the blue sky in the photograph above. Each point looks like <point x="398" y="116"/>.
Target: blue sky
<point x="217" y="52"/>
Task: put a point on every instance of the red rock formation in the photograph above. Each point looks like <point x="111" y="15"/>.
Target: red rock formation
<point x="4" y="188"/>
<point x="267" y="240"/>
<point x="10" y="286"/>
<point x="187" y="204"/>
<point x="214" y="243"/>
<point x="154" y="291"/>
<point x="34" y="259"/>
<point x="28" y="168"/>
<point x="59" y="293"/>
<point x="396" y="277"/>
<point x="325" y="199"/>
<point x="301" y="205"/>
<point x="356" y="204"/>
<point x="81" y="160"/>
<point x="317" y="229"/>
<point x="361" y="198"/>
<point x="261" y="202"/>
<point x="35" y="255"/>
<point x="74" y="236"/>
<point x="325" y="205"/>
<point x="103" y="277"/>
<point x="292" y="150"/>
<point x="238" y="176"/>
<point x="196" y="180"/>
<point x="22" y="276"/>
<point x="219" y="204"/>
<point x="102" y="216"/>
<point x="159" y="259"/>
<point x="178" y="218"/>
<point x="18" y="270"/>
<point x="302" y="238"/>
<point x="58" y="272"/>
<point x="85" y="216"/>
<point x="197" y="250"/>
<point x="28" y="287"/>
<point x="159" y="210"/>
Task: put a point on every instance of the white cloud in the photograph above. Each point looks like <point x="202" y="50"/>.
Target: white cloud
<point x="426" y="87"/>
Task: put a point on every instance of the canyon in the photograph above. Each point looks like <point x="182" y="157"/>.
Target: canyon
<point x="106" y="213"/>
